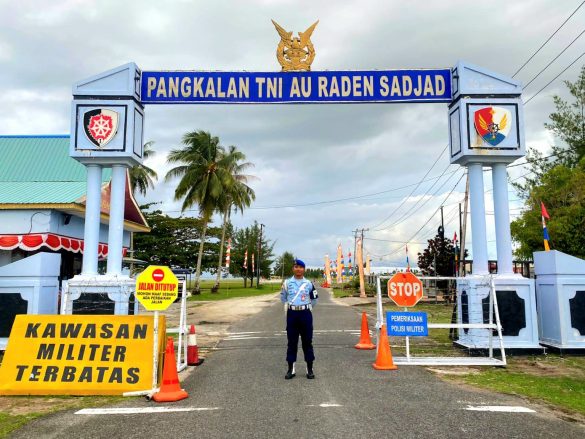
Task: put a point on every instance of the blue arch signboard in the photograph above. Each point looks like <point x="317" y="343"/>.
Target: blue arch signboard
<point x="192" y="87"/>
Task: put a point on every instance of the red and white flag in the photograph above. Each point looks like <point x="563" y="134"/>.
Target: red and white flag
<point x="228" y="254"/>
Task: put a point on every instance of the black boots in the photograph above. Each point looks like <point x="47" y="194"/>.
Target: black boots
<point x="291" y="371"/>
<point x="310" y="374"/>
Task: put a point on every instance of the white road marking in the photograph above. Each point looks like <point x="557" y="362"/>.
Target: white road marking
<point x="326" y="404"/>
<point x="499" y="408"/>
<point x="137" y="410"/>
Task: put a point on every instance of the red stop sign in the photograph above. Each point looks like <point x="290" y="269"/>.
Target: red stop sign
<point x="405" y="289"/>
<point x="158" y="275"/>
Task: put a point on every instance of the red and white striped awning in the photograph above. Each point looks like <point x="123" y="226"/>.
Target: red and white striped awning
<point x="34" y="241"/>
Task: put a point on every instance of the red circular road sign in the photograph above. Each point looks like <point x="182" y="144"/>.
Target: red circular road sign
<point x="405" y="289"/>
<point x="158" y="275"/>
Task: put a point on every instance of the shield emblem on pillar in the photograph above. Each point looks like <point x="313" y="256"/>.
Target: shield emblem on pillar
<point x="100" y="126"/>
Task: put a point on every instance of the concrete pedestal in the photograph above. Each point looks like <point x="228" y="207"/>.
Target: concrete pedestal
<point x="560" y="290"/>
<point x="101" y="295"/>
<point x="28" y="286"/>
<point x="517" y="308"/>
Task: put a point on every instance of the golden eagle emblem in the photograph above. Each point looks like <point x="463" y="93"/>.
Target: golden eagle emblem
<point x="295" y="53"/>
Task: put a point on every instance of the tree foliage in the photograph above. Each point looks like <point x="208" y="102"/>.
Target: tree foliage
<point x="438" y="259"/>
<point x="141" y="176"/>
<point x="174" y="242"/>
<point x="558" y="181"/>
<point x="562" y="190"/>
<point x="247" y="239"/>
<point x="284" y="265"/>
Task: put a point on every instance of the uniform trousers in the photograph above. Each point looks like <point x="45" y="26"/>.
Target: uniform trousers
<point x="299" y="323"/>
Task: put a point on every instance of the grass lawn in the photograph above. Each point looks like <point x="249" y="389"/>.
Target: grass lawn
<point x="233" y="288"/>
<point x="16" y="411"/>
<point x="552" y="379"/>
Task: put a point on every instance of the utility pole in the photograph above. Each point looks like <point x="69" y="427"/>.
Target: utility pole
<point x="259" y="250"/>
<point x="355" y="232"/>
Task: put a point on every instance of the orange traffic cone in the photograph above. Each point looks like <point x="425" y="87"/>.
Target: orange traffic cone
<point x="192" y="349"/>
<point x="171" y="389"/>
<point x="365" y="340"/>
<point x="384" y="358"/>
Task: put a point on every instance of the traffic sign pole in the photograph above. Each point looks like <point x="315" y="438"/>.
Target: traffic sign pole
<point x="407" y="343"/>
<point x="155" y="353"/>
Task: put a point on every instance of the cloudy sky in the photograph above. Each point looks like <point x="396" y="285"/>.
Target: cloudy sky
<point x="323" y="170"/>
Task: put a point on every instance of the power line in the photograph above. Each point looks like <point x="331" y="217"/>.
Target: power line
<point x="554" y="59"/>
<point x="417" y="186"/>
<point x="411" y="211"/>
<point x="554" y="79"/>
<point x="548" y="39"/>
<point x="431" y="217"/>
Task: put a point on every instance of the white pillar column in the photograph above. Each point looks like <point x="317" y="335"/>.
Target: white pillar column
<point x="116" y="227"/>
<point x="91" y="234"/>
<point x="502" y="218"/>
<point x="478" y="228"/>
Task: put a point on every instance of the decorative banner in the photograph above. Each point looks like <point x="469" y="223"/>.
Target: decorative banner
<point x="253" y="271"/>
<point x="407" y="324"/>
<point x="338" y="265"/>
<point x="368" y="265"/>
<point x="228" y="255"/>
<point x="360" y="264"/>
<point x="327" y="270"/>
<point x="245" y="261"/>
<point x="79" y="355"/>
<point x="195" y="87"/>
<point x="349" y="268"/>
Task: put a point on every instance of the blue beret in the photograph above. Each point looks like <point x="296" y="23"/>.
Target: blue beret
<point x="299" y="263"/>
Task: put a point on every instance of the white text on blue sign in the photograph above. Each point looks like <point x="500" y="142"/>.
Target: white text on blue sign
<point x="416" y="85"/>
<point x="407" y="324"/>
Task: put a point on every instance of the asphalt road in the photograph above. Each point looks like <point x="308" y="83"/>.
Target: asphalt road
<point x="243" y="386"/>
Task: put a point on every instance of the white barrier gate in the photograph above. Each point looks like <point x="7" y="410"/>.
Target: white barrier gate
<point x="493" y="324"/>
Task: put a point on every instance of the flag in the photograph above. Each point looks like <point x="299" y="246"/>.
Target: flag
<point x="228" y="254"/>
<point x="246" y="260"/>
<point x="455" y="239"/>
<point x="253" y="271"/>
<point x="407" y="261"/>
<point x="544" y="215"/>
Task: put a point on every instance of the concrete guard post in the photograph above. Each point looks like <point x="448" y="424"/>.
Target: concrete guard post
<point x="107" y="121"/>
<point x="486" y="129"/>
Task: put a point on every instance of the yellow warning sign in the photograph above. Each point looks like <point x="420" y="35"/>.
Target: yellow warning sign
<point x="79" y="355"/>
<point x="156" y="288"/>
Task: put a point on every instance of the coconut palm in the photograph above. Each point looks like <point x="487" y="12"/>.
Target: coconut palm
<point x="239" y="196"/>
<point x="141" y="176"/>
<point x="204" y="172"/>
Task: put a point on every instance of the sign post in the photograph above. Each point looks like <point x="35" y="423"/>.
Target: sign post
<point x="156" y="288"/>
<point x="405" y="290"/>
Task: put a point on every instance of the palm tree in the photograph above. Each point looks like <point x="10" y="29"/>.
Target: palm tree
<point x="142" y="177"/>
<point x="239" y="196"/>
<point x="204" y="172"/>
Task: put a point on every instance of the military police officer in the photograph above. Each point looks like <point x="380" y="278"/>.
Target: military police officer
<point x="299" y="296"/>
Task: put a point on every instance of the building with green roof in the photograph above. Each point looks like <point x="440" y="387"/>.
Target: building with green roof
<point x="42" y="210"/>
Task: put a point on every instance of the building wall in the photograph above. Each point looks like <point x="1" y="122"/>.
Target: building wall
<point x="48" y="221"/>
